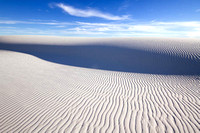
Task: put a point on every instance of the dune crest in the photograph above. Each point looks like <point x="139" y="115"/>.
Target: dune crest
<point x="137" y="55"/>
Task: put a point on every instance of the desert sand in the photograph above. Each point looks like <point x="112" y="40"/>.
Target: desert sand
<point x="71" y="84"/>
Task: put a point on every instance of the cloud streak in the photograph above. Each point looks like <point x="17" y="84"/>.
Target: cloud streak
<point x="89" y="13"/>
<point x="188" y="29"/>
<point x="36" y="22"/>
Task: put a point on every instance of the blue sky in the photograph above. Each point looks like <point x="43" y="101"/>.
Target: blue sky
<point x="101" y="18"/>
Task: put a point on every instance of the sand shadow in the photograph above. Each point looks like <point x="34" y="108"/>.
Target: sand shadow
<point x="111" y="58"/>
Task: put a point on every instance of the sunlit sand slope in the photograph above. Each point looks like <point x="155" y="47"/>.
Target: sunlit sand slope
<point x="38" y="95"/>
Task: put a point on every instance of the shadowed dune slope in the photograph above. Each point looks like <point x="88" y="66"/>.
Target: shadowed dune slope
<point x="127" y="56"/>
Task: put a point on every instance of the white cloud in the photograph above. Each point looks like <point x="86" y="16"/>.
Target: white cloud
<point x="161" y="29"/>
<point x="190" y="29"/>
<point x="89" y="13"/>
<point x="35" y="22"/>
<point x="10" y="22"/>
<point x="180" y="24"/>
<point x="147" y="28"/>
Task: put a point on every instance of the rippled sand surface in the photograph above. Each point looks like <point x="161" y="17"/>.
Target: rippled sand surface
<point x="61" y="84"/>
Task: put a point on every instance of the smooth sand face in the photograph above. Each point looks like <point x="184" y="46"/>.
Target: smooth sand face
<point x="39" y="95"/>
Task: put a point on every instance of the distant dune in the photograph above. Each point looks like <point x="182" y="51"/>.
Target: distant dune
<point x="70" y="84"/>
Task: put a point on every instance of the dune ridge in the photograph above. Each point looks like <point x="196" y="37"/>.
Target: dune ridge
<point x="139" y="55"/>
<point x="42" y="96"/>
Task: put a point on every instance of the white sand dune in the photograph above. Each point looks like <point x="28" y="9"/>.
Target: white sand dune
<point x="48" y="84"/>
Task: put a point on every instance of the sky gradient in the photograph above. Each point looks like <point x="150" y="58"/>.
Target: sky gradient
<point x="101" y="18"/>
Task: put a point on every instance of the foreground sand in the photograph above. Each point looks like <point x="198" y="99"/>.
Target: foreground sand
<point x="39" y="95"/>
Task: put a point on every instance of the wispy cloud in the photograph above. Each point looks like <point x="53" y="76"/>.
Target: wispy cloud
<point x="37" y="22"/>
<point x="11" y="22"/>
<point x="180" y="24"/>
<point x="189" y="29"/>
<point x="89" y="13"/>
